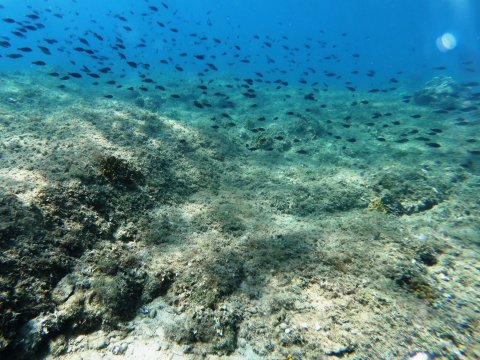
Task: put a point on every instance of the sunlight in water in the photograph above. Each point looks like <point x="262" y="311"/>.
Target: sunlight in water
<point x="446" y="42"/>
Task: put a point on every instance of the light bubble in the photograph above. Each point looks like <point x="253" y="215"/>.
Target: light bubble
<point x="446" y="42"/>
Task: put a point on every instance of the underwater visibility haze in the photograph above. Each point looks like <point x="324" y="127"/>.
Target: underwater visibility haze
<point x="239" y="179"/>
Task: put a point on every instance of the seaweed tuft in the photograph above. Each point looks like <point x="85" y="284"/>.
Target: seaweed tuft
<point x="118" y="171"/>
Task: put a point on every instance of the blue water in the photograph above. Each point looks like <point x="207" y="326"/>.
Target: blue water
<point x="288" y="40"/>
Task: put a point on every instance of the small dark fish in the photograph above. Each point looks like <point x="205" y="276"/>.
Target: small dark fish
<point x="18" y="34"/>
<point x="175" y="96"/>
<point x="433" y="144"/>
<point x="45" y="50"/>
<point x="351" y="88"/>
<point x="25" y="49"/>
<point x="310" y="97"/>
<point x="469" y="108"/>
<point x="39" y="63"/>
<point x="471" y="84"/>
<point x="440" y="68"/>
<point x="199" y="57"/>
<point x="5" y="44"/>
<point x="212" y="66"/>
<point x="84" y="41"/>
<point x="104" y="70"/>
<point x="93" y="75"/>
<point x="14" y="56"/>
<point x="132" y="64"/>
<point x="416" y="116"/>
<point x="66" y="77"/>
<point x="9" y="20"/>
<point x="352" y="140"/>
<point x="153" y="8"/>
<point x="75" y="75"/>
<point x="108" y="96"/>
<point x="54" y="74"/>
<point x="178" y="67"/>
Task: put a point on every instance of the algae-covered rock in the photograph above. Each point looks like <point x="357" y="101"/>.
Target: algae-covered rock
<point x="407" y="191"/>
<point x="118" y="171"/>
<point x="415" y="280"/>
<point x="30" y="266"/>
<point x="441" y="91"/>
<point x="386" y="204"/>
<point x="217" y="328"/>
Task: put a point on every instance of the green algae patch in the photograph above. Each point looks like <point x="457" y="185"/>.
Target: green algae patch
<point x="118" y="171"/>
